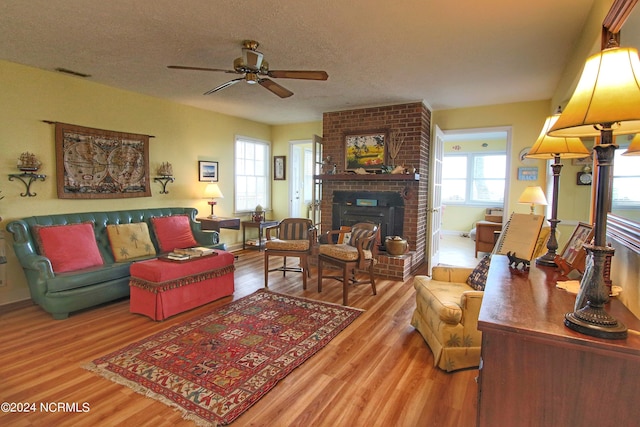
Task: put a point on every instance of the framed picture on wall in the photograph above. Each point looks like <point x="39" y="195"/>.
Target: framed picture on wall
<point x="101" y="164"/>
<point x="527" y="173"/>
<point x="365" y="150"/>
<point x="207" y="171"/>
<point x="279" y="168"/>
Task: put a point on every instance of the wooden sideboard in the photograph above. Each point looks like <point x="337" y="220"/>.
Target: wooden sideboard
<point x="537" y="372"/>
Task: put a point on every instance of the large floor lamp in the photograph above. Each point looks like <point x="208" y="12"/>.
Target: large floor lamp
<point x="555" y="148"/>
<point x="606" y="103"/>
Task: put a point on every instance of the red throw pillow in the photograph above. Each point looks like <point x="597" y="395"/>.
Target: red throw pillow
<point x="173" y="232"/>
<point x="69" y="247"/>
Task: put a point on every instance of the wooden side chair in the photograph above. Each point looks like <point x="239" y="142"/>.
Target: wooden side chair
<point x="292" y="237"/>
<point x="357" y="253"/>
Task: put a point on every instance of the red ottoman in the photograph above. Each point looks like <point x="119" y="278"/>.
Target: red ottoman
<point x="161" y="288"/>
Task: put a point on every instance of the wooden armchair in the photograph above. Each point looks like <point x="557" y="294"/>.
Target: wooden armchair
<point x="292" y="237"/>
<point x="356" y="254"/>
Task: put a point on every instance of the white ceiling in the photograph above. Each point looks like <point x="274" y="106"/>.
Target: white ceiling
<point x="449" y="54"/>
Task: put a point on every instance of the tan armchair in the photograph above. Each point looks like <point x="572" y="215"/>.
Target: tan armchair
<point x="446" y="316"/>
<point x="358" y="253"/>
<point x="447" y="310"/>
<point x="292" y="237"/>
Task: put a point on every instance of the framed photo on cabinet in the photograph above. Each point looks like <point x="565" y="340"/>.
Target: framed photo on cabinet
<point x="573" y="253"/>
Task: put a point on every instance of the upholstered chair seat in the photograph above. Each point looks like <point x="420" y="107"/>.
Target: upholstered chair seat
<point x="344" y="251"/>
<point x="288" y="245"/>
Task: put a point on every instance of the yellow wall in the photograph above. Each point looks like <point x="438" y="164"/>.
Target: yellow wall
<point x="526" y="120"/>
<point x="282" y="136"/>
<point x="462" y="218"/>
<point x="183" y="135"/>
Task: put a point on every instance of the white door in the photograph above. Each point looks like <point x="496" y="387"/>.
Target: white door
<point x="316" y="192"/>
<point x="434" y="218"/>
<point x="296" y="181"/>
<point x="301" y="178"/>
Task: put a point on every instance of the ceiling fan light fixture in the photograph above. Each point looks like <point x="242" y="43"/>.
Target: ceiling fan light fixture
<point x="238" y="65"/>
<point x="252" y="59"/>
<point x="251" y="78"/>
<point x="264" y="68"/>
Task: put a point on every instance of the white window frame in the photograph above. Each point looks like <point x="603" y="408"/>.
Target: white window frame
<point x="240" y="176"/>
<point x="470" y="178"/>
<point x="626" y="205"/>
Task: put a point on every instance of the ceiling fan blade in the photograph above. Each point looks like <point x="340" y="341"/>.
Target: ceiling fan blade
<point x="275" y="88"/>
<point x="223" y="86"/>
<point x="180" y="67"/>
<point x="306" y="75"/>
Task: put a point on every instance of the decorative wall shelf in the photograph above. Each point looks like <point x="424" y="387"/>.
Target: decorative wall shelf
<point x="369" y="177"/>
<point x="27" y="178"/>
<point x="164" y="180"/>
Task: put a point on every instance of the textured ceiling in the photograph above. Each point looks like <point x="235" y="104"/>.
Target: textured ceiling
<point x="448" y="54"/>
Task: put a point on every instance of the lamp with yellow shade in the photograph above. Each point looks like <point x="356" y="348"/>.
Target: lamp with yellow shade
<point x="533" y="195"/>
<point x="212" y="191"/>
<point x="552" y="148"/>
<point x="634" y="147"/>
<point x="606" y="102"/>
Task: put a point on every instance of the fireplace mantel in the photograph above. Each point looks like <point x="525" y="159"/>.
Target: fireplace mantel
<point x="369" y="177"/>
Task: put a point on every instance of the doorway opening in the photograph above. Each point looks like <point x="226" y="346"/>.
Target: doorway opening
<point x="475" y="186"/>
<point x="301" y="180"/>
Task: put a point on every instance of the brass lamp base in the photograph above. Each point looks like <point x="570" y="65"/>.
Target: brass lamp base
<point x="212" y="203"/>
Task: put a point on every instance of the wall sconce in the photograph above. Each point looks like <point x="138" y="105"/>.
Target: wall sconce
<point x="606" y="102"/>
<point x="28" y="164"/>
<point x="534" y="196"/>
<point x="551" y="148"/>
<point x="166" y="176"/>
<point x="213" y="191"/>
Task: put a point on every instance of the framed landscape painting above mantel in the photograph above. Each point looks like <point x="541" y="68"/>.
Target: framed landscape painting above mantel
<point x="367" y="150"/>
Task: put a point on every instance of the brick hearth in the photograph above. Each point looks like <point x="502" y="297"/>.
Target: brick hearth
<point x="414" y="122"/>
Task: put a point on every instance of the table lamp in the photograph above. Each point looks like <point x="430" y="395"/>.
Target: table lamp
<point x="551" y="148"/>
<point x="634" y="147"/>
<point x="534" y="196"/>
<point x="213" y="191"/>
<point x="606" y="102"/>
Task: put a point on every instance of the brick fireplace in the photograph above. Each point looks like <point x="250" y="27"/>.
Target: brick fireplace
<point x="413" y="121"/>
<point x="380" y="207"/>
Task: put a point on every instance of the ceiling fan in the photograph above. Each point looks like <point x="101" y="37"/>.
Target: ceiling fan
<point x="252" y="65"/>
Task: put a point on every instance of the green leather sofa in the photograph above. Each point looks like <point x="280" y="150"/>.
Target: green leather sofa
<point x="60" y="294"/>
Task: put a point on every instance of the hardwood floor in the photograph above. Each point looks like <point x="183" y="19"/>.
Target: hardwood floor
<point x="377" y="372"/>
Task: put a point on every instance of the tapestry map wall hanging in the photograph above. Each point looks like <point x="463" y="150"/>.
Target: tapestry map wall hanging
<point x="101" y="164"/>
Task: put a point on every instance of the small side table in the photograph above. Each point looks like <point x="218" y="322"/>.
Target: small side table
<point x="260" y="226"/>
<point x="215" y="224"/>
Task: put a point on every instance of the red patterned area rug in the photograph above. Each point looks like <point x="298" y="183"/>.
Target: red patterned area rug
<point x="214" y="367"/>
